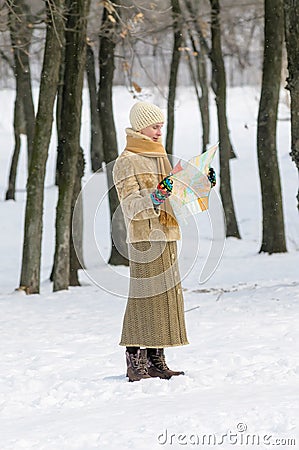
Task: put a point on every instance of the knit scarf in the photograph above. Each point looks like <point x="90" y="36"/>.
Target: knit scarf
<point x="140" y="144"/>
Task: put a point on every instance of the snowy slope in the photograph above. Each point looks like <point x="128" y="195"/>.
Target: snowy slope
<point x="62" y="382"/>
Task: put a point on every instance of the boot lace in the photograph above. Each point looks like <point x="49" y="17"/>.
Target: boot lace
<point x="140" y="363"/>
<point x="159" y="362"/>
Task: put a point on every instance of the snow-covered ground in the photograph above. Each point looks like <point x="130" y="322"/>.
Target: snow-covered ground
<point x="62" y="373"/>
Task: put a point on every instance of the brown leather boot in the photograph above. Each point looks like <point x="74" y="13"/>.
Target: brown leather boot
<point x="137" y="365"/>
<point x="157" y="366"/>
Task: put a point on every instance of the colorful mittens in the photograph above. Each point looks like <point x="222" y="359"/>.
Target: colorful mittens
<point x="162" y="191"/>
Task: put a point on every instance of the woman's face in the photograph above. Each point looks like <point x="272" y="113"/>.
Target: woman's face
<point x="154" y="132"/>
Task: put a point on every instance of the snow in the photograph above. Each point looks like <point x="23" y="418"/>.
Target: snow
<point x="62" y="383"/>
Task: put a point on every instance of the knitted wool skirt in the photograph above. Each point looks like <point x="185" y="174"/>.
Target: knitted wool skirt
<point x="154" y="315"/>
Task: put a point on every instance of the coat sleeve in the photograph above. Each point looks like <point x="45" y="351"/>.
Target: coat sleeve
<point x="136" y="203"/>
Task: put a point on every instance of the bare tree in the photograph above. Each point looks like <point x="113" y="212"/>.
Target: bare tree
<point x="174" y="67"/>
<point x="108" y="39"/>
<point x="199" y="74"/>
<point x="19" y="128"/>
<point x="96" y="140"/>
<point x="59" y="113"/>
<point x="21" y="28"/>
<point x="202" y="74"/>
<point x="30" y="274"/>
<point x="273" y="240"/>
<point x="219" y="83"/>
<point x="74" y="64"/>
<point x="76" y="224"/>
<point x="291" y="10"/>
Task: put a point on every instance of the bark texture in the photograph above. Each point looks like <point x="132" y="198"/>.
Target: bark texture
<point x="200" y="74"/>
<point x="106" y="61"/>
<point x="174" y="67"/>
<point x="291" y="10"/>
<point x="19" y="128"/>
<point x="219" y="83"/>
<point x="273" y="240"/>
<point x="96" y="140"/>
<point x="21" y="33"/>
<point x="76" y="225"/>
<point x="30" y="274"/>
<point x="74" y="64"/>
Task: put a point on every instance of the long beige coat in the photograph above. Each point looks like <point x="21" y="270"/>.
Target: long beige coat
<point x="135" y="177"/>
<point x="154" y="315"/>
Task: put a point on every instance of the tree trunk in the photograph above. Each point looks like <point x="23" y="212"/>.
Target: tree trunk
<point x="30" y="275"/>
<point x="174" y="67"/>
<point x="203" y="99"/>
<point x="206" y="51"/>
<point x="106" y="62"/>
<point x="21" y="34"/>
<point x="59" y="113"/>
<point x="75" y="37"/>
<point x="273" y="240"/>
<point x="11" y="191"/>
<point x="19" y="128"/>
<point x="59" y="105"/>
<point x="291" y="10"/>
<point x="76" y="225"/>
<point x="219" y="83"/>
<point x="96" y="141"/>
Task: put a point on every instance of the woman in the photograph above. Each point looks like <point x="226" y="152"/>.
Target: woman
<point x="154" y="316"/>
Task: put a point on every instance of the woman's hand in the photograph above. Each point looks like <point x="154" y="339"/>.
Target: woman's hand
<point x="162" y="192"/>
<point x="212" y="176"/>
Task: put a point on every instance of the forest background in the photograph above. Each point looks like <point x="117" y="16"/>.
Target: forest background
<point x="57" y="45"/>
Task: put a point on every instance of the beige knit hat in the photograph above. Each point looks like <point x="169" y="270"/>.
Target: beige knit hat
<point x="144" y="114"/>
